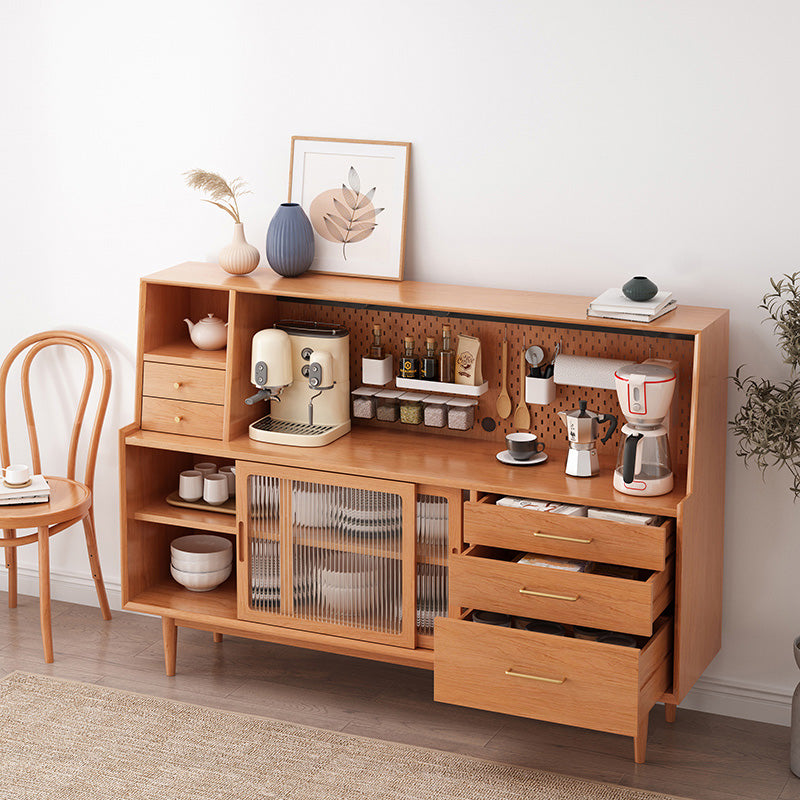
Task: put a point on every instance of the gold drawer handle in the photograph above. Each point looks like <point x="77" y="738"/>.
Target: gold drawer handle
<point x="572" y="599"/>
<point x="562" y="538"/>
<point x="513" y="674"/>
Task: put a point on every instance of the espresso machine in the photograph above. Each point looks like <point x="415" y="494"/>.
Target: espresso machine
<point x="583" y="429"/>
<point x="303" y="370"/>
<point x="645" y="393"/>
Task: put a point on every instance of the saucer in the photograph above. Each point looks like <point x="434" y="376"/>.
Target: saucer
<point x="16" y="485"/>
<point x="507" y="458"/>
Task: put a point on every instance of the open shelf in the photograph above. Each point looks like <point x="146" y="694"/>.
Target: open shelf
<point x="185" y="353"/>
<point x="163" y="512"/>
<point x="169" y="596"/>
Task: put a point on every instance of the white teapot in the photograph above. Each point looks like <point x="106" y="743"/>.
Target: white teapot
<point x="209" y="333"/>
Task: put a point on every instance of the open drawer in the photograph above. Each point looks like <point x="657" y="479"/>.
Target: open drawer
<point x="645" y="546"/>
<point x="593" y="685"/>
<point x="487" y="578"/>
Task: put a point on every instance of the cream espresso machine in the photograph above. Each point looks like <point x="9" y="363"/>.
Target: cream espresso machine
<point x="303" y="369"/>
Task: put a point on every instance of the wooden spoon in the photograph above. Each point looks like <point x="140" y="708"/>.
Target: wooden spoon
<point x="522" y="417"/>
<point x="503" y="400"/>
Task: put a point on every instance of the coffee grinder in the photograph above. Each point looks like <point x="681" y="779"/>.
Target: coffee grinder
<point x="645" y="393"/>
<point x="583" y="429"/>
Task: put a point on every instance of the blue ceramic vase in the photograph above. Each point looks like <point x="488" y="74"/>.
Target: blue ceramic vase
<point x="290" y="241"/>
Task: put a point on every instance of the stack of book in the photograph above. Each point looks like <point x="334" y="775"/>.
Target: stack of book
<point x="613" y="304"/>
<point x="37" y="490"/>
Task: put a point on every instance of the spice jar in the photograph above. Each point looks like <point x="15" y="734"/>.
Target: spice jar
<point x="461" y="413"/>
<point x="434" y="410"/>
<point x="364" y="402"/>
<point x="411" y="408"/>
<point x="387" y="405"/>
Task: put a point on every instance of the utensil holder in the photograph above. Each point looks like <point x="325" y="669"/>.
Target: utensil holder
<point x="540" y="390"/>
<point x="377" y="371"/>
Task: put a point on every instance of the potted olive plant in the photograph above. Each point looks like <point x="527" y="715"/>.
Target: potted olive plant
<point x="767" y="425"/>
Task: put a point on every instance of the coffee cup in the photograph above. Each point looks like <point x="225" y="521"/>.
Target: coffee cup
<point x="215" y="489"/>
<point x="16" y="474"/>
<point x="206" y="467"/>
<point x="523" y="446"/>
<point x="229" y="472"/>
<point x="190" y="485"/>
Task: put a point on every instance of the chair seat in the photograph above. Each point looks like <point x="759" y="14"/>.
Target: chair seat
<point x="68" y="500"/>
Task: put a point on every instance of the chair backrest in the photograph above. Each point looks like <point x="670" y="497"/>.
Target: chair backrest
<point x="85" y="346"/>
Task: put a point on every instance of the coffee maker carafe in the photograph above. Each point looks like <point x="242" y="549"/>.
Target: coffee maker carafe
<point x="643" y="464"/>
<point x="583" y="428"/>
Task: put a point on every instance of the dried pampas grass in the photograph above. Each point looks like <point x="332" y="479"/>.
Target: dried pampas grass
<point x="220" y="193"/>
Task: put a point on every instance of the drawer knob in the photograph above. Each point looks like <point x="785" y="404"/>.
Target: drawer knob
<point x="562" y="538"/>
<point x="571" y="598"/>
<point x="512" y="673"/>
<point x="178" y="419"/>
<point x="177" y="385"/>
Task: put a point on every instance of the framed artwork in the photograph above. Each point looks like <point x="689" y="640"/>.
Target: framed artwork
<point x="354" y="192"/>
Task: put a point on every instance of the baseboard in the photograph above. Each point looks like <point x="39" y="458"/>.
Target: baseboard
<point x="716" y="696"/>
<point x="67" y="586"/>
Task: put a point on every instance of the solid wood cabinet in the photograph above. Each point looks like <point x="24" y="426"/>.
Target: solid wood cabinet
<point x="380" y="544"/>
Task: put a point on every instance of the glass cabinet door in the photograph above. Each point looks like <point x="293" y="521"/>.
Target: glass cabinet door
<point x="327" y="553"/>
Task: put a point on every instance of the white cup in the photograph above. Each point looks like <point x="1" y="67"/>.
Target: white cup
<point x="215" y="489"/>
<point x="15" y="474"/>
<point x="229" y="472"/>
<point x="190" y="485"/>
<point x="206" y="467"/>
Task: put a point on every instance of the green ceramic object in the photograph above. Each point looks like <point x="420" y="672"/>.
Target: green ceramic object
<point x="639" y="289"/>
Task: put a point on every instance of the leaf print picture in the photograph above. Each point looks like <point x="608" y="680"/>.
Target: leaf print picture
<point x="354" y="192"/>
<point x="345" y="215"/>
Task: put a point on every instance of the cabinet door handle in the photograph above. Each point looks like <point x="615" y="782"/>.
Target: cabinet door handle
<point x="514" y="674"/>
<point x="178" y="419"/>
<point x="562" y="538"/>
<point x="571" y="598"/>
<point x="240" y="542"/>
<point x="177" y="385"/>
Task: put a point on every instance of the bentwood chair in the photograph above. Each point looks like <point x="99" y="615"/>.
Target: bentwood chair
<point x="70" y="500"/>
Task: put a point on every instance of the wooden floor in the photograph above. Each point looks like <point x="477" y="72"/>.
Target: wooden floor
<point x="702" y="756"/>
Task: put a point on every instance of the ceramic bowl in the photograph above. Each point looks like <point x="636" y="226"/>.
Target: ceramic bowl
<point x="201" y="581"/>
<point x="345" y="600"/>
<point x="201" y="552"/>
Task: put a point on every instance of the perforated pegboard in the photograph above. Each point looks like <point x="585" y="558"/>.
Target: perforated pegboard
<point x="544" y="420"/>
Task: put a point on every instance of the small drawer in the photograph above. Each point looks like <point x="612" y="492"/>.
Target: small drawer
<point x="645" y="546"/>
<point x="483" y="577"/>
<point x="195" y="384"/>
<point x="178" y="416"/>
<point x="593" y="685"/>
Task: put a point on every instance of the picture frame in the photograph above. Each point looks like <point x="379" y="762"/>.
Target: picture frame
<point x="355" y="192"/>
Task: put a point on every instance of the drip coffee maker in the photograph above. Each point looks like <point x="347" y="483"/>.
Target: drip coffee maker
<point x="645" y="394"/>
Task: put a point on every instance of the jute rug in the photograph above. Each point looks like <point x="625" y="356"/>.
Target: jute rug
<point x="61" y="740"/>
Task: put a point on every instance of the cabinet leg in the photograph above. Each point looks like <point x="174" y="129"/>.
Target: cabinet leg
<point x="670" y="712"/>
<point x="217" y="638"/>
<point x="640" y="740"/>
<point x="169" y="631"/>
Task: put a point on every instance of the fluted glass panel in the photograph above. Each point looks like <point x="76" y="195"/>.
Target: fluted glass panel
<point x="263" y="495"/>
<point x="432" y="541"/>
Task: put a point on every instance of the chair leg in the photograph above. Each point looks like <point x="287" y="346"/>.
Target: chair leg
<point x="44" y="593"/>
<point x="11" y="564"/>
<point x="94" y="564"/>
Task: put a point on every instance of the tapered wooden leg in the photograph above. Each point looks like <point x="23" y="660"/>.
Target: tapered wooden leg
<point x="670" y="711"/>
<point x="44" y="593"/>
<point x="94" y="564"/>
<point x="169" y="630"/>
<point x="640" y="740"/>
<point x="11" y="564"/>
<point x="217" y="638"/>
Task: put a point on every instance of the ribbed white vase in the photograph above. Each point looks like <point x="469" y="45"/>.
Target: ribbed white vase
<point x="239" y="257"/>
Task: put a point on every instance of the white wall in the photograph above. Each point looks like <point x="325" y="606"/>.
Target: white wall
<point x="556" y="146"/>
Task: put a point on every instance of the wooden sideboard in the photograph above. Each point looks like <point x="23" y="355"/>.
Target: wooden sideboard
<point x="450" y="532"/>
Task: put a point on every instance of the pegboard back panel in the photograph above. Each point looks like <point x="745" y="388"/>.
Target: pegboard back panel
<point x="396" y="324"/>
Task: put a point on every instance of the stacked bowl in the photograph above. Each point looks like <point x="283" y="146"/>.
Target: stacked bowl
<point x="201" y="562"/>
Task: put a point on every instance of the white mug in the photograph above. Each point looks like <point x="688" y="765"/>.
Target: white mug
<point x="206" y="467"/>
<point x="16" y="474"/>
<point x="190" y="485"/>
<point x="215" y="489"/>
<point x="229" y="472"/>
